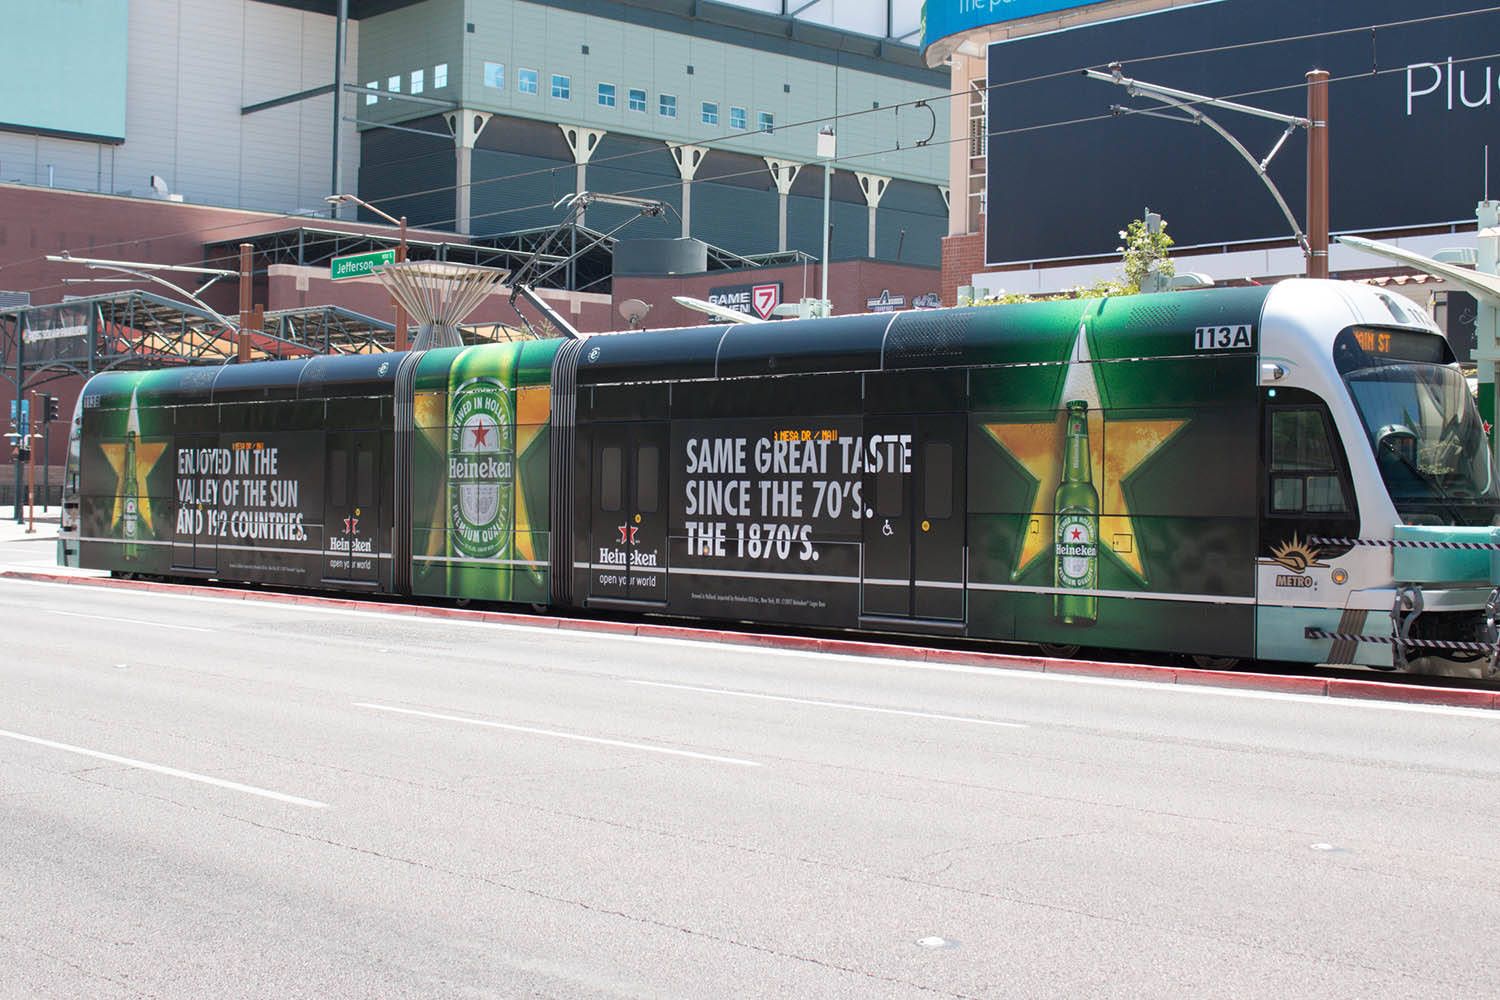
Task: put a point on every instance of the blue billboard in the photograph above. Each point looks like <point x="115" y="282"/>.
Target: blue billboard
<point x="1414" y="98"/>
<point x="941" y="18"/>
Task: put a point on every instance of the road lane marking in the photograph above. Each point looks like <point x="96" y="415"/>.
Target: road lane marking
<point x="553" y="732"/>
<point x="848" y="706"/>
<point x="998" y="672"/>
<point x="163" y="769"/>
<point x="128" y="621"/>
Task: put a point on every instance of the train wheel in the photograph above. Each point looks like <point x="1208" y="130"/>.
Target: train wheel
<point x="1061" y="651"/>
<point x="1215" y="662"/>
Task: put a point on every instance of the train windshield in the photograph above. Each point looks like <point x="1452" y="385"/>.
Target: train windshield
<point x="1428" y="440"/>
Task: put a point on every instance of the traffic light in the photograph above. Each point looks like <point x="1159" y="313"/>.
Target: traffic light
<point x="49" y="408"/>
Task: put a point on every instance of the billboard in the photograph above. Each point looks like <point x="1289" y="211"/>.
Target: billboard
<point x="65" y="68"/>
<point x="941" y="18"/>
<point x="1412" y="100"/>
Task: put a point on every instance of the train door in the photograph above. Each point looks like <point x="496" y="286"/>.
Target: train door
<point x="914" y="492"/>
<point x="352" y="507"/>
<point x="193" y="544"/>
<point x="628" y="530"/>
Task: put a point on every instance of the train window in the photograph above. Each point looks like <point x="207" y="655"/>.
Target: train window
<point x="647" y="463"/>
<point x="364" y="477"/>
<point x="338" y="477"/>
<point x="611" y="470"/>
<point x="889" y="491"/>
<point x="1304" y="473"/>
<point x="937" y="464"/>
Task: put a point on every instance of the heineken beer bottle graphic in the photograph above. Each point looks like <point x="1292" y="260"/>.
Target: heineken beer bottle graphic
<point x="130" y="490"/>
<point x="481" y="476"/>
<point x="1076" y="545"/>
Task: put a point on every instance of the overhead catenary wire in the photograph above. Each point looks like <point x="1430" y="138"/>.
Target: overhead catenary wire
<point x="1058" y="74"/>
<point x="1072" y="71"/>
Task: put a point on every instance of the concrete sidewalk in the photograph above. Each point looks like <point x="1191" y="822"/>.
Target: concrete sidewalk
<point x="45" y="522"/>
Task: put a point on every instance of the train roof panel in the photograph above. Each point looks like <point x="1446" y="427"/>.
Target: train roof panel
<point x="650" y="357"/>
<point x="164" y="387"/>
<point x="330" y="375"/>
<point x="800" y="346"/>
<point x="263" y="381"/>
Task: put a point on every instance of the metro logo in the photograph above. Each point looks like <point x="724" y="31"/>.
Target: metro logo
<point x="765" y="298"/>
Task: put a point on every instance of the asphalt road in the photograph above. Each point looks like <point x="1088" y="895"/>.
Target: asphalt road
<point x="223" y="798"/>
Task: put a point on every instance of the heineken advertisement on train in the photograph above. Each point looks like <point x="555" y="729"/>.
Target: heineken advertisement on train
<point x="480" y="473"/>
<point x="179" y="490"/>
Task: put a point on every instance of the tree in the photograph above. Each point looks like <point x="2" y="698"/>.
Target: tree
<point x="1143" y="250"/>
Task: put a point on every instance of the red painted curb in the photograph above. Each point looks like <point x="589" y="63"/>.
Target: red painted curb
<point x="1382" y="691"/>
<point x="587" y="625"/>
<point x="873" y="650"/>
<point x="974" y="658"/>
<point x="509" y="618"/>
<point x="1289" y="684"/>
<point x="1255" y="682"/>
<point x="1130" y="671"/>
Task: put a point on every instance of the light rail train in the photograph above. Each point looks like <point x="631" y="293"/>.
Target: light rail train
<point x="1295" y="472"/>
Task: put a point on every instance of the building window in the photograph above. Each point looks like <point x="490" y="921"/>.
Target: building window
<point x="667" y="106"/>
<point x="494" y="75"/>
<point x="737" y="119"/>
<point x="710" y="113"/>
<point x="526" y="81"/>
<point x="765" y="121"/>
<point x="560" y="87"/>
<point x="606" y="95"/>
<point x="440" y="76"/>
<point x="393" y="85"/>
<point x="417" y="81"/>
<point x="371" y="98"/>
<point x="978" y="150"/>
<point x="637" y="100"/>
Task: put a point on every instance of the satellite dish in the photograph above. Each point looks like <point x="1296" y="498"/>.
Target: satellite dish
<point x="634" y="310"/>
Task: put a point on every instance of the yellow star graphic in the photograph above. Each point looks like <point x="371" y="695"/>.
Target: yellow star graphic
<point x="147" y="454"/>
<point x="533" y="410"/>
<point x="1116" y="449"/>
<point x="432" y="422"/>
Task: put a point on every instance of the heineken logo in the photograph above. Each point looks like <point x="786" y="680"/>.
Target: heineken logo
<point x="478" y="468"/>
<point x="1076" y="549"/>
<point x="481" y="468"/>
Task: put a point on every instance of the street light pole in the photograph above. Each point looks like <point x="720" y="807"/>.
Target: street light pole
<point x="401" y="341"/>
<point x="827" y="151"/>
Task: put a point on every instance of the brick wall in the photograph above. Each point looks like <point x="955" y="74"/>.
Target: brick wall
<point x="963" y="257"/>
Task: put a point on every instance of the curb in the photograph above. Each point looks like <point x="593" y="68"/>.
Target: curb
<point x="1370" y="690"/>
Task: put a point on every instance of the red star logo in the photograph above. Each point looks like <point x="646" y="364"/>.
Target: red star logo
<point x="351" y="524"/>
<point x="481" y="434"/>
<point x="1076" y="534"/>
<point x="627" y="533"/>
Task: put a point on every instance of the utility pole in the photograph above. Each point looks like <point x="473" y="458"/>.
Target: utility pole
<point x="31" y="484"/>
<point x="340" y="23"/>
<point x="245" y="306"/>
<point x="1155" y="281"/>
<point x="19" y="418"/>
<point x="1317" y="174"/>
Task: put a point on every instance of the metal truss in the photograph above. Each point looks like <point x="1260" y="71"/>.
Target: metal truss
<point x="590" y="269"/>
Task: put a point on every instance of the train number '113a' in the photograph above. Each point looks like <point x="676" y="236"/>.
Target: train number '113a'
<point x="1222" y="338"/>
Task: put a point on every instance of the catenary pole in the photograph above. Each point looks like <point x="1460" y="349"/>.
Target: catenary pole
<point x="1317" y="174"/>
